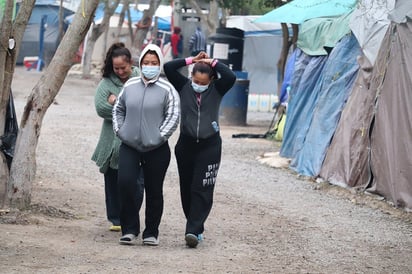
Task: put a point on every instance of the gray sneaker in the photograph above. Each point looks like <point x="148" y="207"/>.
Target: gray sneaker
<point x="152" y="241"/>
<point x="128" y="239"/>
<point x="191" y="240"/>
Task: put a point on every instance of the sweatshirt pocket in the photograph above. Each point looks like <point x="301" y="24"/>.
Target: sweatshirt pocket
<point x="151" y="136"/>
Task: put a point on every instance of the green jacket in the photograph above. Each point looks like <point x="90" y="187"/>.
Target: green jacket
<point x="106" y="153"/>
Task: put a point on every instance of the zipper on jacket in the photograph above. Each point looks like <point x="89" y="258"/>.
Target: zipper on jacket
<point x="198" y="123"/>
<point x="199" y="100"/>
<point x="141" y="113"/>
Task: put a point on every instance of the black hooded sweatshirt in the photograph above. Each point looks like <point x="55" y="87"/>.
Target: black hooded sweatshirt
<point x="199" y="111"/>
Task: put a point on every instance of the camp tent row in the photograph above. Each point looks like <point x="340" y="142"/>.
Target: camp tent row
<point x="349" y="117"/>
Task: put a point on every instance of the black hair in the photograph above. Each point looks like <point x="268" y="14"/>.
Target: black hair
<point x="153" y="52"/>
<point x="205" y="68"/>
<point x="116" y="50"/>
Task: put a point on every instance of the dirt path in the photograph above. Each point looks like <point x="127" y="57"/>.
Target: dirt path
<point x="264" y="220"/>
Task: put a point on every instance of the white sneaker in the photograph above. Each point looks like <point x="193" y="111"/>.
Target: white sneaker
<point x="152" y="241"/>
<point x="128" y="239"/>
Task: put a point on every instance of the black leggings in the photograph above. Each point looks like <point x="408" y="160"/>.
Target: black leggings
<point x="198" y="164"/>
<point x="154" y="164"/>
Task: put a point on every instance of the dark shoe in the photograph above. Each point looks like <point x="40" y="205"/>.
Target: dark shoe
<point x="191" y="240"/>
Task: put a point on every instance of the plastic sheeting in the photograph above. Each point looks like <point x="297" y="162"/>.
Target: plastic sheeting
<point x="287" y="79"/>
<point x="402" y="12"/>
<point x="317" y="34"/>
<point x="298" y="11"/>
<point x="262" y="46"/>
<point x="302" y="99"/>
<point x="347" y="159"/>
<point x="391" y="154"/>
<point x="260" y="56"/>
<point x="332" y="90"/>
<point x="369" y="23"/>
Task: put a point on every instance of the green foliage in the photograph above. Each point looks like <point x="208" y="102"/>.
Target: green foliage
<point x="275" y="3"/>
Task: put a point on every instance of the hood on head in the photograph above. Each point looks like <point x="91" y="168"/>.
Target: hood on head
<point x="154" y="48"/>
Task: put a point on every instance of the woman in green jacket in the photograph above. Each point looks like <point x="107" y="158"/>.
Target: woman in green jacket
<point x="117" y="70"/>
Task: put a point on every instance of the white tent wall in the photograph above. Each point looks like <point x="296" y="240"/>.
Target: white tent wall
<point x="262" y="46"/>
<point x="260" y="56"/>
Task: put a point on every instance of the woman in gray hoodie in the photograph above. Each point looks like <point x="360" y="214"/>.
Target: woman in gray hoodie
<point x="144" y="117"/>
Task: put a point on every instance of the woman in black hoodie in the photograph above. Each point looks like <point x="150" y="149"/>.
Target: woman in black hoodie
<point x="198" y="150"/>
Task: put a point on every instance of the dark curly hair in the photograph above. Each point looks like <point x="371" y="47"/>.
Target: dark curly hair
<point x="116" y="50"/>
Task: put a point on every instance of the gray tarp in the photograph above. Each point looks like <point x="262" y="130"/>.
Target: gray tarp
<point x="369" y="23"/>
<point x="347" y="159"/>
<point x="391" y="139"/>
<point x="402" y="11"/>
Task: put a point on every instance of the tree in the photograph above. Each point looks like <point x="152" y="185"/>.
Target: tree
<point x="144" y="25"/>
<point x="96" y="31"/>
<point x="23" y="167"/>
<point x="9" y="30"/>
<point x="211" y="19"/>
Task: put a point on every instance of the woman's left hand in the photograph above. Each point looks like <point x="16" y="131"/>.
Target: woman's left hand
<point x="207" y="61"/>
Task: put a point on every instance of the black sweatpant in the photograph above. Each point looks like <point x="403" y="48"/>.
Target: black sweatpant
<point x="198" y="164"/>
<point x="154" y="164"/>
<point x="112" y="196"/>
<point x="111" y="190"/>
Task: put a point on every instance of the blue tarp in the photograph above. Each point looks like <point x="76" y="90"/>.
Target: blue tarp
<point x="302" y="99"/>
<point x="329" y="98"/>
<point x="287" y="79"/>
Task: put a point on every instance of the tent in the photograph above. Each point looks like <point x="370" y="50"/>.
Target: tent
<point x="353" y="127"/>
<point x="30" y="43"/>
<point x="262" y="45"/>
<point x="371" y="148"/>
<point x="298" y="11"/>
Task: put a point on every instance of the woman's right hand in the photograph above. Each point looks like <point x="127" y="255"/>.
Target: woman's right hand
<point x="111" y="99"/>
<point x="202" y="55"/>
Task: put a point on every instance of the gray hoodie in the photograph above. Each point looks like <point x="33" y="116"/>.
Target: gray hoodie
<point x="146" y="113"/>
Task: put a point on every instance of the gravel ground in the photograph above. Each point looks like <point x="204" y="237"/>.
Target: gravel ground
<point x="264" y="220"/>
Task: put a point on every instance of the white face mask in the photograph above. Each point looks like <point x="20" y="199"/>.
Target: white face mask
<point x="150" y="72"/>
<point x="199" y="88"/>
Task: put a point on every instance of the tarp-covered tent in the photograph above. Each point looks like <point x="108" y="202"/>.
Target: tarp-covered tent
<point x="333" y="88"/>
<point x="308" y="84"/>
<point x="369" y="23"/>
<point x="372" y="147"/>
<point x="262" y="46"/>
<point x="391" y="137"/>
<point x="298" y="11"/>
<point x="30" y="43"/>
<point x="347" y="160"/>
<point x="302" y="101"/>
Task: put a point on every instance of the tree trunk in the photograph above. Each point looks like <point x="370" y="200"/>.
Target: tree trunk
<point x="23" y="168"/>
<point x="7" y="64"/>
<point x="95" y="34"/>
<point x="144" y="25"/>
<point x="129" y="24"/>
<point x="121" y="19"/>
<point x="212" y="19"/>
<point x="283" y="55"/>
<point x="295" y="29"/>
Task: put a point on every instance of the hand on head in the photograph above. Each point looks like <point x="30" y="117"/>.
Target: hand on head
<point x="201" y="56"/>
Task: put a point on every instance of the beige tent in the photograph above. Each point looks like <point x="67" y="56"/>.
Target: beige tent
<point x="372" y="147"/>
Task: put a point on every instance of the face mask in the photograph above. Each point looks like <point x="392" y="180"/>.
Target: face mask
<point x="150" y="72"/>
<point x="199" y="88"/>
